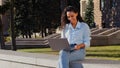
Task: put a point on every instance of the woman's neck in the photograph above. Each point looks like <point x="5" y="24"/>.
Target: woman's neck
<point x="74" y="24"/>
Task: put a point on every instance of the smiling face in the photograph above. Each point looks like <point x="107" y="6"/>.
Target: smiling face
<point x="72" y="17"/>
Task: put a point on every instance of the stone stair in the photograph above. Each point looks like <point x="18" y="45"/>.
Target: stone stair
<point x="106" y="36"/>
<point x="97" y="31"/>
<point x="108" y="31"/>
<point x="32" y="42"/>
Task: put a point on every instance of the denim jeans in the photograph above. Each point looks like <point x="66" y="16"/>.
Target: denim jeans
<point x="65" y="57"/>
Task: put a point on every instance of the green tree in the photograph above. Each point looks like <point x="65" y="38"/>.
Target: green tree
<point x="4" y="7"/>
<point x="75" y="3"/>
<point x="89" y="14"/>
<point x="46" y="15"/>
<point x="36" y="16"/>
<point x="23" y="18"/>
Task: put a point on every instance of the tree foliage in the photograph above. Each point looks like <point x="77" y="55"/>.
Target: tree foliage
<point x="75" y="3"/>
<point x="32" y="16"/>
<point x="89" y="14"/>
<point x="36" y="15"/>
<point x="4" y="7"/>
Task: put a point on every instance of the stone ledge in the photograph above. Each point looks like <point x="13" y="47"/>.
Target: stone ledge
<point x="27" y="58"/>
<point x="16" y="59"/>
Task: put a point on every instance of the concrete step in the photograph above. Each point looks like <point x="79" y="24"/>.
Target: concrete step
<point x="108" y="31"/>
<point x="97" y="31"/>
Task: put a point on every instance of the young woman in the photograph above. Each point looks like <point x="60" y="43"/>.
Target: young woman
<point x="78" y="35"/>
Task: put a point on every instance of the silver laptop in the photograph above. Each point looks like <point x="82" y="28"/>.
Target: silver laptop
<point x="59" y="44"/>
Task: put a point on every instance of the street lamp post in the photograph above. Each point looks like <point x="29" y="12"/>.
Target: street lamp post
<point x="13" y="46"/>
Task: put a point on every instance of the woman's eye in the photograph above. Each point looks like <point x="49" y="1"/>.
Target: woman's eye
<point x="69" y="16"/>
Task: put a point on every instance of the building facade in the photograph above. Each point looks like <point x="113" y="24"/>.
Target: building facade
<point x="110" y="10"/>
<point x="106" y="12"/>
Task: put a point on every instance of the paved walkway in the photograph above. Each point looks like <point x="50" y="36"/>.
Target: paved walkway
<point x="97" y="63"/>
<point x="39" y="60"/>
<point x="93" y="63"/>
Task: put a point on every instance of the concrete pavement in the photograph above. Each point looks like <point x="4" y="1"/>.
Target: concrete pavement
<point x="14" y="59"/>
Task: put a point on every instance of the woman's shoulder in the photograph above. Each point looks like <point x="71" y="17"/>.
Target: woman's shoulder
<point x="84" y="24"/>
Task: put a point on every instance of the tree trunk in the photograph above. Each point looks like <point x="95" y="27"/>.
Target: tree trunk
<point x="42" y="32"/>
<point x="12" y="25"/>
<point x="29" y="34"/>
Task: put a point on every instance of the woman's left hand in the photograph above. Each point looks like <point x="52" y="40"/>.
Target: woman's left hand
<point x="78" y="46"/>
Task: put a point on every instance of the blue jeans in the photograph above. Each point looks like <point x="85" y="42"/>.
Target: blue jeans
<point x="65" y="57"/>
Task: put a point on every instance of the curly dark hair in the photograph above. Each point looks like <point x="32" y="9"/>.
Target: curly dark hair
<point x="64" y="19"/>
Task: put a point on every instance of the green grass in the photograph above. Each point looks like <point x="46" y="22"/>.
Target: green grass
<point x="40" y="50"/>
<point x="103" y="52"/>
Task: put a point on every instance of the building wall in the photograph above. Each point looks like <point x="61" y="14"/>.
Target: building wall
<point x="0" y="2"/>
<point x="97" y="13"/>
<point x="111" y="13"/>
<point x="82" y="8"/>
<point x="83" y="5"/>
<point x="107" y="14"/>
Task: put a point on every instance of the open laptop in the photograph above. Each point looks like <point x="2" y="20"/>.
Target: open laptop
<point x="59" y="44"/>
